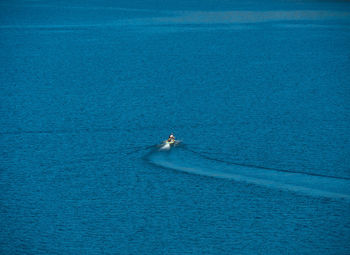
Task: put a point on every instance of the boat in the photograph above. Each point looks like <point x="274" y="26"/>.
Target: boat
<point x="167" y="144"/>
<point x="170" y="141"/>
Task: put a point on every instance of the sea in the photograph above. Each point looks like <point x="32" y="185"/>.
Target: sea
<point x="257" y="94"/>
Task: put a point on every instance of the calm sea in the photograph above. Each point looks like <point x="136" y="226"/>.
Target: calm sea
<point x="256" y="93"/>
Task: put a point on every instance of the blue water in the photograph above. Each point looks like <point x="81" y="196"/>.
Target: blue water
<point x="257" y="93"/>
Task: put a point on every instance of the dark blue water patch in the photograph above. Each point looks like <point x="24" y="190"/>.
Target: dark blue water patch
<point x="185" y="5"/>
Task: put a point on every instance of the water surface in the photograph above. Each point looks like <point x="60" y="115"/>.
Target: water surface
<point x="258" y="95"/>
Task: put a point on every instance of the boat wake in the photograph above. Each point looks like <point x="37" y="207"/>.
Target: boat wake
<point x="187" y="160"/>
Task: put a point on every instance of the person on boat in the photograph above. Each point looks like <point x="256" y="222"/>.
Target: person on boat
<point x="171" y="138"/>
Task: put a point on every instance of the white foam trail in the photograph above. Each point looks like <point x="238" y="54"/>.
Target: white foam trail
<point x="166" y="147"/>
<point x="311" y="185"/>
